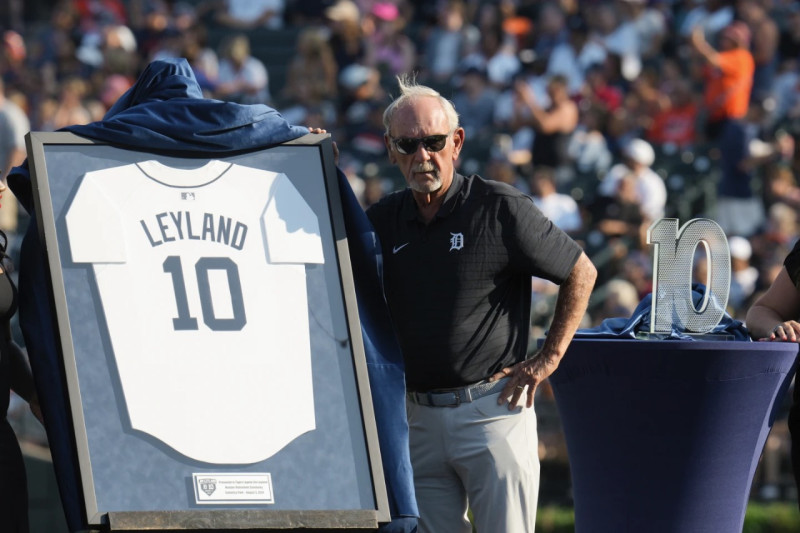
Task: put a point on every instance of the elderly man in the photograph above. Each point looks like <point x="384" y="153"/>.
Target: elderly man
<point x="459" y="253"/>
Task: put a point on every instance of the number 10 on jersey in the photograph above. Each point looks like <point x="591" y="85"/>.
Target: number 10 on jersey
<point x="185" y="320"/>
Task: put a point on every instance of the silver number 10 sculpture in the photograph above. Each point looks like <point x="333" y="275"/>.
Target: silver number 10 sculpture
<point x="673" y="258"/>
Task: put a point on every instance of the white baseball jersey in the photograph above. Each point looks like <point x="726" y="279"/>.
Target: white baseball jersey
<point x="201" y="274"/>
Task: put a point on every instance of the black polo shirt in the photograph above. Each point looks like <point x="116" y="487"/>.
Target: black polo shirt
<point x="459" y="288"/>
<point x="792" y="264"/>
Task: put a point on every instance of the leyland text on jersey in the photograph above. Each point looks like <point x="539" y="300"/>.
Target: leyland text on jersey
<point x="201" y="274"/>
<point x="179" y="225"/>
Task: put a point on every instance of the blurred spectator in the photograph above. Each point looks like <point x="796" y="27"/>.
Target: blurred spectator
<point x="312" y="74"/>
<point x="347" y="36"/>
<point x="518" y="24"/>
<point x="352" y="169"/>
<point x="675" y="123"/>
<point x="497" y="55"/>
<point x="587" y="147"/>
<point x="552" y="125"/>
<point x="114" y="86"/>
<point x="764" y="46"/>
<point x="646" y="25"/>
<point x="789" y="39"/>
<point x="700" y="267"/>
<point x="374" y="189"/>
<point x="94" y="14"/>
<point x="645" y="94"/>
<point x="202" y="58"/>
<point x="782" y="187"/>
<point x="637" y="268"/>
<point x="474" y="100"/>
<point x="249" y="14"/>
<point x="119" y="48"/>
<point x="70" y="108"/>
<point x="620" y="215"/>
<point x="672" y="73"/>
<point x="729" y="77"/>
<point x="560" y="208"/>
<point x="573" y="58"/>
<point x="743" y="275"/>
<point x="551" y="30"/>
<point x="786" y="91"/>
<point x="780" y="232"/>
<point x="452" y="38"/>
<point x="360" y="113"/>
<point x="512" y="117"/>
<point x="14" y="124"/>
<point x="365" y="130"/>
<point x="619" y="298"/>
<point x="651" y="193"/>
<point x="619" y="39"/>
<point x="12" y="59"/>
<point x="390" y="50"/>
<point x="153" y="29"/>
<point x="711" y="16"/>
<point x="598" y="92"/>
<point x="242" y="77"/>
<point x="55" y="57"/>
<point x="500" y="168"/>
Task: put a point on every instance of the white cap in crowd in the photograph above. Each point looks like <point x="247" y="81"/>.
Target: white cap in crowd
<point x="640" y="151"/>
<point x="740" y="247"/>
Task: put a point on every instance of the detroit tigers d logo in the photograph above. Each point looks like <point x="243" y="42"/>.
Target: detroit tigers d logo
<point x="456" y="241"/>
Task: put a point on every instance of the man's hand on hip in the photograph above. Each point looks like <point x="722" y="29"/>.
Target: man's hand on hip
<point x="524" y="377"/>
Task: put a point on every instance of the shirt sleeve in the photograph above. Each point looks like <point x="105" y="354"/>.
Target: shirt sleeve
<point x="94" y="226"/>
<point x="539" y="247"/>
<point x="291" y="226"/>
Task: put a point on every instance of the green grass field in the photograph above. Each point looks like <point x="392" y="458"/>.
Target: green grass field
<point x="760" y="518"/>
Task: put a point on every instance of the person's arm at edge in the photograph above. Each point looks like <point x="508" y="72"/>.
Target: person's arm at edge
<point x="770" y="317"/>
<point x="700" y="44"/>
<point x="571" y="304"/>
<point x="21" y="378"/>
<point x="564" y="119"/>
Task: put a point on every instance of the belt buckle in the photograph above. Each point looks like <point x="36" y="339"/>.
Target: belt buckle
<point x="456" y="396"/>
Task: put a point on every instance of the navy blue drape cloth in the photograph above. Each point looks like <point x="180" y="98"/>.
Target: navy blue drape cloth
<point x="665" y="436"/>
<point x="639" y="322"/>
<point x="165" y="112"/>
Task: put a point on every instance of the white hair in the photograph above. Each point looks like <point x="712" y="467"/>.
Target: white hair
<point x="410" y="90"/>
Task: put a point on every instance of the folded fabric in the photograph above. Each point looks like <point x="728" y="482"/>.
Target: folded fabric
<point x="639" y="322"/>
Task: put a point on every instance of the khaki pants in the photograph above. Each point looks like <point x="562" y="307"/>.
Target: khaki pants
<point x="478" y="455"/>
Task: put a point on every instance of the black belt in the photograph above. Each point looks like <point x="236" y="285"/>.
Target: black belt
<point x="455" y="397"/>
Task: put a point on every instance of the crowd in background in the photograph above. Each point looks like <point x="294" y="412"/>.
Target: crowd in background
<point x="599" y="110"/>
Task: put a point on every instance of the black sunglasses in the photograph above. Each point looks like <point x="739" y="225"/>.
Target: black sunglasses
<point x="408" y="145"/>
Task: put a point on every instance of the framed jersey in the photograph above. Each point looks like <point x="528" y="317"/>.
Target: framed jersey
<point x="209" y="336"/>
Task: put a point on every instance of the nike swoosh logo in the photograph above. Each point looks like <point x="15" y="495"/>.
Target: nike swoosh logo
<point x="398" y="248"/>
